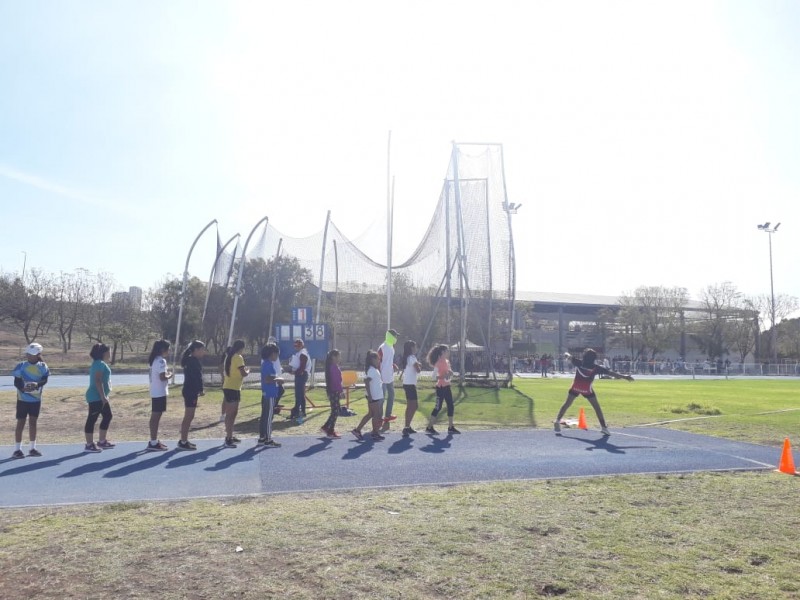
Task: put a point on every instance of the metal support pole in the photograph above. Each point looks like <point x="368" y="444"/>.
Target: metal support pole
<point x="183" y="290"/>
<point x="319" y="294"/>
<point x="461" y="268"/>
<point x="276" y="266"/>
<point x="242" y="265"/>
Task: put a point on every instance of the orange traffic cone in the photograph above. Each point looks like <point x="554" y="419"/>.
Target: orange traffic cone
<point x="787" y="462"/>
<point x="582" y="420"/>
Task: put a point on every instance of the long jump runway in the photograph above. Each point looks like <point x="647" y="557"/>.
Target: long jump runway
<point x="67" y="475"/>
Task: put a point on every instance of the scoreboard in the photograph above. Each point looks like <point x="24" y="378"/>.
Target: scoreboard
<point x="315" y="336"/>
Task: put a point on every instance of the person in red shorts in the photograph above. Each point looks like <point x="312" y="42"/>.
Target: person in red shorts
<point x="585" y="372"/>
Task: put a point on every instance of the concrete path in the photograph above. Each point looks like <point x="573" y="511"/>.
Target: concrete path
<point x="67" y="475"/>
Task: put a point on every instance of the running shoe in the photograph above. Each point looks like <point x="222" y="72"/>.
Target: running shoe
<point x="358" y="434"/>
<point x="452" y="429"/>
<point x="34" y="452"/>
<point x="411" y="430"/>
<point x="557" y="426"/>
<point x="261" y="442"/>
<point x="187" y="445"/>
<point x="604" y="430"/>
<point x="92" y="448"/>
<point x="431" y="430"/>
<point x="229" y="443"/>
<point x="236" y="440"/>
<point x="272" y="444"/>
<point x="334" y="435"/>
<point x="407" y="431"/>
<point x="389" y="418"/>
<point x="377" y="437"/>
<point x="157" y="447"/>
<point x="18" y="454"/>
<point x="106" y="445"/>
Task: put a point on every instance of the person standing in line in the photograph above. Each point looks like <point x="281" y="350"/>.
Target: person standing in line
<point x="298" y="366"/>
<point x="30" y="376"/>
<point x="439" y="359"/>
<point x="335" y="390"/>
<point x="374" y="390"/>
<point x="545" y="364"/>
<point x="387" y="368"/>
<point x="269" y="395"/>
<point x="235" y="372"/>
<point x="160" y="375"/>
<point x="222" y="377"/>
<point x="585" y="372"/>
<point x="278" y="373"/>
<point x="97" y="399"/>
<point x="192" y="388"/>
<point x="410" y="367"/>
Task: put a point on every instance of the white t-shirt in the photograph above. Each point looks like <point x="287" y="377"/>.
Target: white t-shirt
<point x="375" y="384"/>
<point x="278" y="368"/>
<point x="410" y="374"/>
<point x="387" y="362"/>
<point x="158" y="388"/>
<point x="294" y="362"/>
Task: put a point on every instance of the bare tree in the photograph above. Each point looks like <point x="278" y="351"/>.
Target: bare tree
<point x="654" y="312"/>
<point x="785" y="305"/>
<point x="71" y="292"/>
<point x="744" y="328"/>
<point x="28" y="303"/>
<point x="98" y="312"/>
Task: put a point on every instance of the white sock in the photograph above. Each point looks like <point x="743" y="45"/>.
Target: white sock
<point x="153" y="442"/>
<point x="33" y="444"/>
<point x="19" y="445"/>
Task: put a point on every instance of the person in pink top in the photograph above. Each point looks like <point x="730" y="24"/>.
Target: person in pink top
<point x="438" y="358"/>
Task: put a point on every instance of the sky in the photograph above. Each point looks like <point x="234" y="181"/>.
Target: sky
<point x="644" y="140"/>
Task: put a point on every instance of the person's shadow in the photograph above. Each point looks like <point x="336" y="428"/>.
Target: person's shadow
<point x="359" y="449"/>
<point x="192" y="458"/>
<point x="101" y="465"/>
<point x="323" y="445"/>
<point x="38" y="465"/>
<point x="603" y="443"/>
<point x="401" y="445"/>
<point x="248" y="454"/>
<point x="142" y="465"/>
<point x="438" y="445"/>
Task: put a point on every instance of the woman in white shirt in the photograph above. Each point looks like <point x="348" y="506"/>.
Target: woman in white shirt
<point x="411" y="368"/>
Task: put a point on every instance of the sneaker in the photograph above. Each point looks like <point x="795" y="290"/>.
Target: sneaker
<point x="358" y="434"/>
<point x="92" y="448"/>
<point x="452" y="430"/>
<point x="411" y="430"/>
<point x="229" y="443"/>
<point x="604" y="430"/>
<point x="34" y="452"/>
<point x="377" y="437"/>
<point x="557" y="426"/>
<point x="299" y="419"/>
<point x="187" y="445"/>
<point x="407" y="431"/>
<point x="272" y="444"/>
<point x="431" y="430"/>
<point x="278" y="408"/>
<point x="261" y="442"/>
<point x="389" y="418"/>
<point x="236" y="440"/>
<point x="106" y="445"/>
<point x="334" y="435"/>
<point x="18" y="454"/>
<point x="157" y="447"/>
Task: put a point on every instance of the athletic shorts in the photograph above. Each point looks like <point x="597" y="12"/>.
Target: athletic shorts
<point x="232" y="395"/>
<point x="159" y="404"/>
<point x="574" y="392"/>
<point x="190" y="401"/>
<point x="28" y="409"/>
<point x="376" y="400"/>
<point x="411" y="392"/>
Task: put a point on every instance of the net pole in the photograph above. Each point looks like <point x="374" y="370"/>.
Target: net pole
<point x="335" y="291"/>
<point x="461" y="270"/>
<point x="319" y="294"/>
<point x="512" y="269"/>
<point x="276" y="266"/>
<point x="389" y="226"/>
<point x="242" y="265"/>
<point x="448" y="289"/>
<point x="183" y="290"/>
<point x="212" y="275"/>
<point x="488" y="342"/>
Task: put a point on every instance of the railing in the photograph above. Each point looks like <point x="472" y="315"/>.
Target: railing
<point x="707" y="368"/>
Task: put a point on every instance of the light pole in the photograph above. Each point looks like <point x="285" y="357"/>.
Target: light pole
<point x="766" y="228"/>
<point x="24" y="264"/>
<point x="511" y="209"/>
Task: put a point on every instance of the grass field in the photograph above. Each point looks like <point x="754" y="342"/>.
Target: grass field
<point x="699" y="536"/>
<point x="733" y="409"/>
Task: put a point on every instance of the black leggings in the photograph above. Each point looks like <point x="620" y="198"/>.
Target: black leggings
<point x="444" y="394"/>
<point x="95" y="410"/>
<point x="330" y="424"/>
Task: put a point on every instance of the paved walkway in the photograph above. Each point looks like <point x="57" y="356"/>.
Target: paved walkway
<point x="66" y="475"/>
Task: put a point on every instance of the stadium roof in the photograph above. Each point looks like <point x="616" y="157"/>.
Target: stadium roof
<point x="580" y="299"/>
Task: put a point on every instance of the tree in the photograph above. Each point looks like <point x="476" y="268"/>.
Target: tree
<point x="654" y="312"/>
<point x="164" y="302"/>
<point x="98" y="309"/>
<point x="721" y="305"/>
<point x="785" y="305"/>
<point x="744" y="328"/>
<point x="28" y="303"/>
<point x="71" y="293"/>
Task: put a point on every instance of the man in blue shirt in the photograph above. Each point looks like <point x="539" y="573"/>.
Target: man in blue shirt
<point x="30" y="376"/>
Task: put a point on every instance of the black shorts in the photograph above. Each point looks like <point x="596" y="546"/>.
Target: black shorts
<point x="231" y="395"/>
<point x="160" y="404"/>
<point x="190" y="401"/>
<point x="574" y="392"/>
<point x="28" y="409"/>
<point x="411" y="392"/>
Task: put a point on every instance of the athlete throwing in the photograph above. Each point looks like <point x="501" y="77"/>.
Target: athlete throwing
<point x="585" y="372"/>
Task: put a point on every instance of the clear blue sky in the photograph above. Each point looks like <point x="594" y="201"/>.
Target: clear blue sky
<point x="659" y="133"/>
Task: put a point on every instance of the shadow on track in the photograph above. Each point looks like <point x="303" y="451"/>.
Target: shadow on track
<point x="401" y="445"/>
<point x="247" y="455"/>
<point x="93" y="467"/>
<point x="141" y="466"/>
<point x="192" y="458"/>
<point x="43" y="464"/>
<point x="323" y="445"/>
<point x="602" y="443"/>
<point x="438" y="445"/>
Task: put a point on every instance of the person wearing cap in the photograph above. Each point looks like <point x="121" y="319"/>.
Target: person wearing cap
<point x="30" y="376"/>
<point x="298" y="365"/>
<point x="386" y="356"/>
